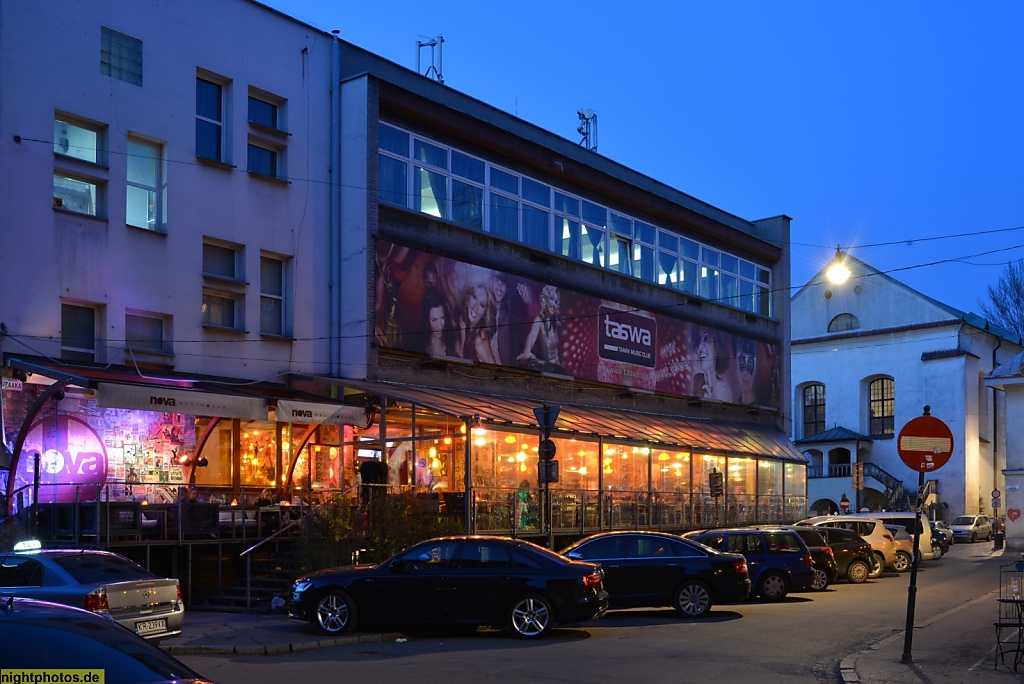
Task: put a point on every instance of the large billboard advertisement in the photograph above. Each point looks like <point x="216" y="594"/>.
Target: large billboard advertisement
<point x="442" y="307"/>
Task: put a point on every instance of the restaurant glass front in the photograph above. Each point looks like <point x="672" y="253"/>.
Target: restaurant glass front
<point x="150" y="458"/>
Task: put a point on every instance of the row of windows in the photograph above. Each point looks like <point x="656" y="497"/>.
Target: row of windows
<point x="449" y="184"/>
<point x="881" y="404"/>
<point x="222" y="307"/>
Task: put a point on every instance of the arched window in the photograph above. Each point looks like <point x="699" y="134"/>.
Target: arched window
<point x="843" y="321"/>
<point x="814" y="409"/>
<point x="882" y="407"/>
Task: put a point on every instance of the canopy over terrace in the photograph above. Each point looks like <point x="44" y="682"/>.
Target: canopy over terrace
<point x="665" y="483"/>
<point x="160" y="391"/>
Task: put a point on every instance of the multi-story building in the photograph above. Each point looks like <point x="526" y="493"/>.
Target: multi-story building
<point x="869" y="355"/>
<point x="264" y="264"/>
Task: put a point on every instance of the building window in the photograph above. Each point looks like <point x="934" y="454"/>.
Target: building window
<point x="446" y="183"/>
<point x="120" y="56"/>
<point x="814" y="409"/>
<point x="222" y="309"/>
<point x="78" y="139"/>
<point x="146" y="332"/>
<point x="78" y="195"/>
<point x="146" y="196"/>
<point x="272" y="296"/>
<point x="222" y="260"/>
<point x="263" y="113"/>
<point x="263" y="160"/>
<point x="77" y="332"/>
<point x="842" y="322"/>
<point x="882" y="407"/>
<point x="210" y="133"/>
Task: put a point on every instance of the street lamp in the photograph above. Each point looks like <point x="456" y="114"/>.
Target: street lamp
<point x="838" y="273"/>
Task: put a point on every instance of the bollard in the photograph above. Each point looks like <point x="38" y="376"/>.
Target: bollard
<point x="997" y="541"/>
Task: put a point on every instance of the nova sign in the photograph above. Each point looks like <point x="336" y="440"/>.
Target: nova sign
<point x="626" y="337"/>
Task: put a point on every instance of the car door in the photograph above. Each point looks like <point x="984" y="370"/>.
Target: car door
<point x="642" y="569"/>
<point x="481" y="579"/>
<point x="408" y="588"/>
<point x="751" y="546"/>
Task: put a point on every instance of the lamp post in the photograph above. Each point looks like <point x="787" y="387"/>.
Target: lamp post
<point x="838" y="273"/>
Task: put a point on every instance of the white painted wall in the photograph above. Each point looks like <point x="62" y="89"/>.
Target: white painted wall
<point x="50" y="60"/>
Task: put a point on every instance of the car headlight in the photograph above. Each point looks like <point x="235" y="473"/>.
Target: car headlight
<point x="301" y="586"/>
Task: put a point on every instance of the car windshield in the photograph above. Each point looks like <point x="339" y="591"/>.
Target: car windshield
<point x="964" y="520"/>
<point x="90" y="568"/>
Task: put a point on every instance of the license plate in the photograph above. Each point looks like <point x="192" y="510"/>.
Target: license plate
<point x="150" y="626"/>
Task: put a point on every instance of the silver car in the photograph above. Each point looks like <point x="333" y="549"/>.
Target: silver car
<point x="971" y="528"/>
<point x="98" y="581"/>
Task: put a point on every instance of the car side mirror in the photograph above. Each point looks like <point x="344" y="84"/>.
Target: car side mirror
<point x="574" y="555"/>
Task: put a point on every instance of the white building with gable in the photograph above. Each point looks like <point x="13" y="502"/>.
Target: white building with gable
<point x="868" y="356"/>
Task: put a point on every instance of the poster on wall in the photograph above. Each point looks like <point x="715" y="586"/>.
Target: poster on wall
<point x="443" y="307"/>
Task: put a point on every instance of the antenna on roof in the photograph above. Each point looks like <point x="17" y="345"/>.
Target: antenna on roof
<point x="434" y="70"/>
<point x="588" y="129"/>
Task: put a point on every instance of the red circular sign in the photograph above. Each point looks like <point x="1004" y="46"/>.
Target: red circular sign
<point x="925" y="444"/>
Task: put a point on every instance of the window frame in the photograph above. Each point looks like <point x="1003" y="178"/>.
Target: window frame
<point x="158" y="191"/>
<point x="163" y="345"/>
<point x="238" y="262"/>
<point x="237" y="300"/>
<point x="813" y="413"/>
<point x="69" y="351"/>
<point x="882" y="397"/>
<point x="281" y="297"/>
<point x="223" y="151"/>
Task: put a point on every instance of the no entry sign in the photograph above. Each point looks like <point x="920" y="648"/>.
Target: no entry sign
<point x="925" y="443"/>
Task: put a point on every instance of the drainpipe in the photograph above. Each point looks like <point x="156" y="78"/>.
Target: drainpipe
<point x="995" y="420"/>
<point x="334" y="253"/>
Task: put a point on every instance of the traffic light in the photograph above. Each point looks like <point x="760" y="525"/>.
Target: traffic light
<point x="858" y="476"/>
<point x="717" y="482"/>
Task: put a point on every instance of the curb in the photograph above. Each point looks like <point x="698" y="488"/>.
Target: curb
<point x="278" y="649"/>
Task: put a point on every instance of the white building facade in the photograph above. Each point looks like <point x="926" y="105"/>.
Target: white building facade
<point x="868" y="356"/>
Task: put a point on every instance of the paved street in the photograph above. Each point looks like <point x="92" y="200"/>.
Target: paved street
<point x="807" y="638"/>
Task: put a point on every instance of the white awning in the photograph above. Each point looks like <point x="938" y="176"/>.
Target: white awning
<point x="166" y="400"/>
<point x="290" y="411"/>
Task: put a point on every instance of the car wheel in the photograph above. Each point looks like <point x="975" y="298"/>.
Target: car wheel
<point x="530" y="616"/>
<point x="772" y="587"/>
<point x="902" y="562"/>
<point x="879" y="566"/>
<point x="858" y="572"/>
<point x="937" y="551"/>
<point x="820" y="582"/>
<point x="335" y="613"/>
<point x="693" y="599"/>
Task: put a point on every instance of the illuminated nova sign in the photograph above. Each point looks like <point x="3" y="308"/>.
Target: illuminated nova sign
<point x="71" y="457"/>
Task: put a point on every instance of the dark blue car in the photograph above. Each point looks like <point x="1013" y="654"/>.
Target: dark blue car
<point x="778" y="561"/>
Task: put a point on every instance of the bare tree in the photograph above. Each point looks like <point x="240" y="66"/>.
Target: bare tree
<point x="1006" y="299"/>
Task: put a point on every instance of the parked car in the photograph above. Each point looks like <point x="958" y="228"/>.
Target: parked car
<point x="40" y="635"/>
<point x="872" y="530"/>
<point x="778" y="561"/>
<point x="971" y="528"/>
<point x="942" y="538"/>
<point x="824" y="561"/>
<point x="907" y="520"/>
<point x="904" y="543"/>
<point x="100" y="581"/>
<point x="471" y="580"/>
<point x="658" y="569"/>
<point x="854" y="556"/>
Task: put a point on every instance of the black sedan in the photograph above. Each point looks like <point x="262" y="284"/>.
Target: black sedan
<point x="657" y="569"/>
<point x="470" y="580"/>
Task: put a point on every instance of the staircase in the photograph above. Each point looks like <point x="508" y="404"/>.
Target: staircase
<point x="270" y="575"/>
<point x="896" y="494"/>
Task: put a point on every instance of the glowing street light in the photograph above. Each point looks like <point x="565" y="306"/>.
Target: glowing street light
<point x="838" y="273"/>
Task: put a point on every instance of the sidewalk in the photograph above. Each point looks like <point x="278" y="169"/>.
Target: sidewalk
<point x="954" y="647"/>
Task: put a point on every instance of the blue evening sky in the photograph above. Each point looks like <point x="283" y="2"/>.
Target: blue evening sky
<point x="876" y="126"/>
